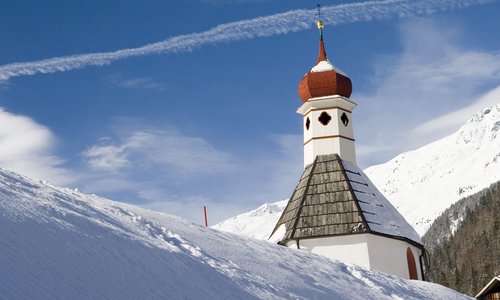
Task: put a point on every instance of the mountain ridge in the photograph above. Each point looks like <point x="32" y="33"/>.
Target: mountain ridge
<point x="423" y="182"/>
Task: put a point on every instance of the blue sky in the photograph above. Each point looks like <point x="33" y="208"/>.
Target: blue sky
<point x="216" y="125"/>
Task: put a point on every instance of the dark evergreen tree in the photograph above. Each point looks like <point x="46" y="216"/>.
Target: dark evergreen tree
<point x="469" y="257"/>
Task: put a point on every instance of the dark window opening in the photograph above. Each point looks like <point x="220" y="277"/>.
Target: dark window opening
<point x="324" y="118"/>
<point x="308" y="123"/>
<point x="344" y="119"/>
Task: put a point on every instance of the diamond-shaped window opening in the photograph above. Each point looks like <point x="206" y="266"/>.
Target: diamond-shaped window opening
<point x="324" y="118"/>
<point x="344" y="119"/>
<point x="308" y="123"/>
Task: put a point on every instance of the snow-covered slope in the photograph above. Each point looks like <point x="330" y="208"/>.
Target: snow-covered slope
<point x="257" y="224"/>
<point x="60" y="244"/>
<point x="424" y="182"/>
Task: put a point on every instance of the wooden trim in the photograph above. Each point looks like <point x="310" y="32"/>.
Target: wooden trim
<point x="325" y="108"/>
<point x="327" y="137"/>
<point x="488" y="286"/>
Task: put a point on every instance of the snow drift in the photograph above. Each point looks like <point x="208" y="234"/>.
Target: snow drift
<point x="60" y="243"/>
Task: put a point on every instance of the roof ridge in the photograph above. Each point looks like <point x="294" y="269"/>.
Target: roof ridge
<point x="351" y="190"/>
<point x="279" y="223"/>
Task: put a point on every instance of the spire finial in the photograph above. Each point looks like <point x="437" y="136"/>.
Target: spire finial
<point x="319" y="23"/>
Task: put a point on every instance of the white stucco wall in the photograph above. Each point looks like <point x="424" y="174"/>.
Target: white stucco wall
<point x="367" y="250"/>
<point x="349" y="248"/>
<point x="335" y="137"/>
<point x="389" y="255"/>
<point x="343" y="147"/>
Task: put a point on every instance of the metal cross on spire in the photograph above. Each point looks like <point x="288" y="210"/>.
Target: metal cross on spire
<point x="319" y="23"/>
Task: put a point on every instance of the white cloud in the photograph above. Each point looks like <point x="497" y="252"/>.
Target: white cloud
<point x="26" y="147"/>
<point x="133" y="83"/>
<point x="167" y="149"/>
<point x="161" y="170"/>
<point x="459" y="117"/>
<point x="291" y="21"/>
<point x="433" y="76"/>
<point x="179" y="174"/>
<point x="107" y="157"/>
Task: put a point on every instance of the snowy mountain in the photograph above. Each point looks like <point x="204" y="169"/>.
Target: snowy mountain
<point x="60" y="243"/>
<point x="421" y="183"/>
<point x="257" y="224"/>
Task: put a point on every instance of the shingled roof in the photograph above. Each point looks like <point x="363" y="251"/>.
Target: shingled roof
<point x="334" y="197"/>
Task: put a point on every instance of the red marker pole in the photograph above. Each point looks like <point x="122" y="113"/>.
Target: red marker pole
<point x="205" y="214"/>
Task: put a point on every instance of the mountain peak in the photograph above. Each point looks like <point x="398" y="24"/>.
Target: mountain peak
<point x="267" y="209"/>
<point x="424" y="182"/>
<point x="482" y="127"/>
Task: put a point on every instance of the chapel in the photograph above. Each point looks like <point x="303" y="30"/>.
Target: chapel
<point x="335" y="210"/>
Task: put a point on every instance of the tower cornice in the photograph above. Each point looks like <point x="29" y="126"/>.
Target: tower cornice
<point x="325" y="102"/>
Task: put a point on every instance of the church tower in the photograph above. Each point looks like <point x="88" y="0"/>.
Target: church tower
<point x="326" y="110"/>
<point x="335" y="210"/>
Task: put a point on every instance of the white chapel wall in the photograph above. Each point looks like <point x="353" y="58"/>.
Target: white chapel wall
<point x="389" y="255"/>
<point x="366" y="250"/>
<point x="348" y="248"/>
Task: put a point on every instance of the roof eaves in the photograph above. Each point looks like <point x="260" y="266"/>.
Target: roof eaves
<point x="411" y="242"/>
<point x="488" y="286"/>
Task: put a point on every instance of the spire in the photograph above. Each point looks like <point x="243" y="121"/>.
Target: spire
<point x="323" y="79"/>
<point x="319" y="24"/>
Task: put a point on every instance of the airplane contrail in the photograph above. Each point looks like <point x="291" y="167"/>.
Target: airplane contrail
<point x="282" y="23"/>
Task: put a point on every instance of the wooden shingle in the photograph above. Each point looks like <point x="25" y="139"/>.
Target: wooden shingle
<point x="334" y="197"/>
<point x="322" y="203"/>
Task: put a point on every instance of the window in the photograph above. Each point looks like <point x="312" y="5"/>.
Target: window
<point x="412" y="266"/>
<point x="324" y="118"/>
<point x="308" y="123"/>
<point x="344" y="119"/>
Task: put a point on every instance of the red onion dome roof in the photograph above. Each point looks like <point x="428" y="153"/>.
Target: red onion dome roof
<point x="324" y="79"/>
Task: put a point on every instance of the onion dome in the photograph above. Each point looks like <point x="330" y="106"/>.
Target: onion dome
<point x="324" y="79"/>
